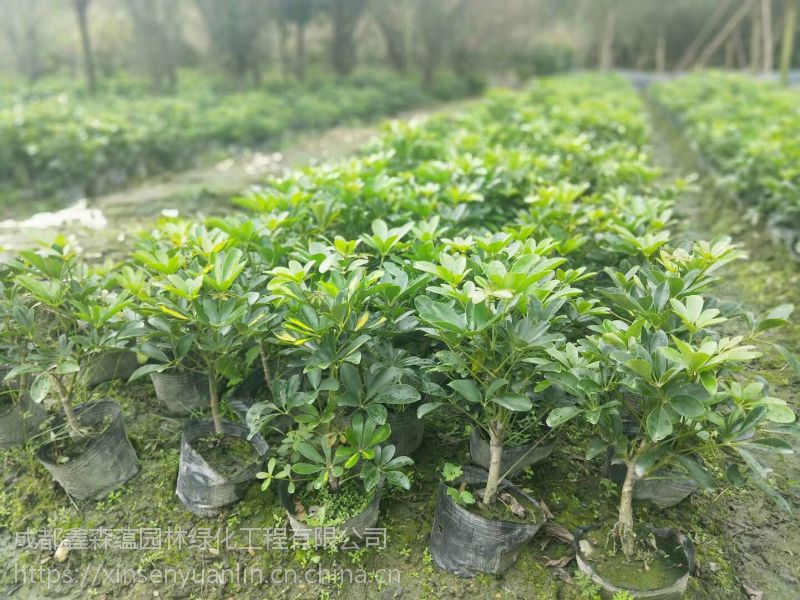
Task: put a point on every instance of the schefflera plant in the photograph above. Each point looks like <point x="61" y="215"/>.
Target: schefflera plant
<point x="205" y="309"/>
<point x="660" y="385"/>
<point x="502" y="303"/>
<point x="66" y="315"/>
<point x="337" y="399"/>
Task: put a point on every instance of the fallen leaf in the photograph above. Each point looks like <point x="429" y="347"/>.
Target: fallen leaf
<point x="513" y="504"/>
<point x="558" y="562"/>
<point x="299" y="511"/>
<point x="545" y="510"/>
<point x="559" y="532"/>
<point x="564" y="575"/>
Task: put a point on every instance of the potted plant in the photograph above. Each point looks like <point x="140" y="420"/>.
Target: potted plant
<point x="333" y="454"/>
<point x="210" y="311"/>
<point x="20" y="418"/>
<point x="73" y="316"/>
<point x="495" y="329"/>
<point x="660" y="388"/>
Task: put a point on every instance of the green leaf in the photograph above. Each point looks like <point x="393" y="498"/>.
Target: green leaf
<point x="659" y="424"/>
<point x="687" y="406"/>
<point x="424" y="409"/>
<point x="513" y="401"/>
<point x="561" y="415"/>
<point x="146" y="370"/>
<point x="696" y="471"/>
<point x="790" y="358"/>
<point x="306" y="469"/>
<point x="596" y="446"/>
<point x="468" y="389"/>
<point x="40" y="387"/>
<point x="770" y="444"/>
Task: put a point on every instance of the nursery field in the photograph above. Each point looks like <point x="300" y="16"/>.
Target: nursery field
<point x="62" y="145"/>
<point x="517" y="350"/>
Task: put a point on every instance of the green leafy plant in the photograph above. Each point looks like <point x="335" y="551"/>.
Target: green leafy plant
<point x="495" y="327"/>
<point x="65" y="317"/>
<point x="660" y="385"/>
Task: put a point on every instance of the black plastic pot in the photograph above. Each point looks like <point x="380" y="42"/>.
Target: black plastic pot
<point x="117" y="364"/>
<point x="663" y="489"/>
<point x="466" y="544"/>
<point x="201" y="489"/>
<point x="521" y="456"/>
<point x="407" y="431"/>
<point x="182" y="393"/>
<point x="356" y="526"/>
<point x="108" y="462"/>
<point x="19" y="421"/>
<point x="666" y="537"/>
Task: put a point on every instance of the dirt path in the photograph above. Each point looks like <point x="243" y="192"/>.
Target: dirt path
<point x="108" y="221"/>
<point x="761" y="540"/>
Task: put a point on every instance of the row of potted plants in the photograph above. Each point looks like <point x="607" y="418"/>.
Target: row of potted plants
<point x="511" y="265"/>
<point x="742" y="126"/>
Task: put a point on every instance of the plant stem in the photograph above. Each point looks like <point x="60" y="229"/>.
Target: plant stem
<point x="213" y="390"/>
<point x="496" y="435"/>
<point x="624" y="529"/>
<point x="265" y="366"/>
<point x="69" y="413"/>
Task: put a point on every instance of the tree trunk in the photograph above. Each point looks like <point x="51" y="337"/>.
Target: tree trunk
<point x="283" y="48"/>
<point x="689" y="55"/>
<point x="395" y="45"/>
<point x="787" y="42"/>
<point x="766" y="37"/>
<point x="213" y="390"/>
<point x="729" y="53"/>
<point x="625" y="531"/>
<point x="755" y="39"/>
<point x="661" y="51"/>
<point x="607" y="40"/>
<point x="496" y="437"/>
<point x="724" y="34"/>
<point x="81" y="11"/>
<point x="300" y="52"/>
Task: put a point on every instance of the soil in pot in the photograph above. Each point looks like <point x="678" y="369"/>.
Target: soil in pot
<point x="67" y="447"/>
<point x="350" y="510"/>
<point x="659" y="568"/>
<point x="216" y="470"/>
<point x="228" y="456"/>
<point x="466" y="543"/>
<point x="326" y="508"/>
<point x="511" y="505"/>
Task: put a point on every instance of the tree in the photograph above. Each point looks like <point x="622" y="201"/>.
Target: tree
<point x="299" y="12"/>
<point x="21" y="20"/>
<point x="235" y="28"/>
<point x="346" y="15"/>
<point x="82" y="13"/>
<point x="606" y="51"/>
<point x="766" y="37"/>
<point x="391" y="18"/>
<point x="787" y="42"/>
<point x="155" y="24"/>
